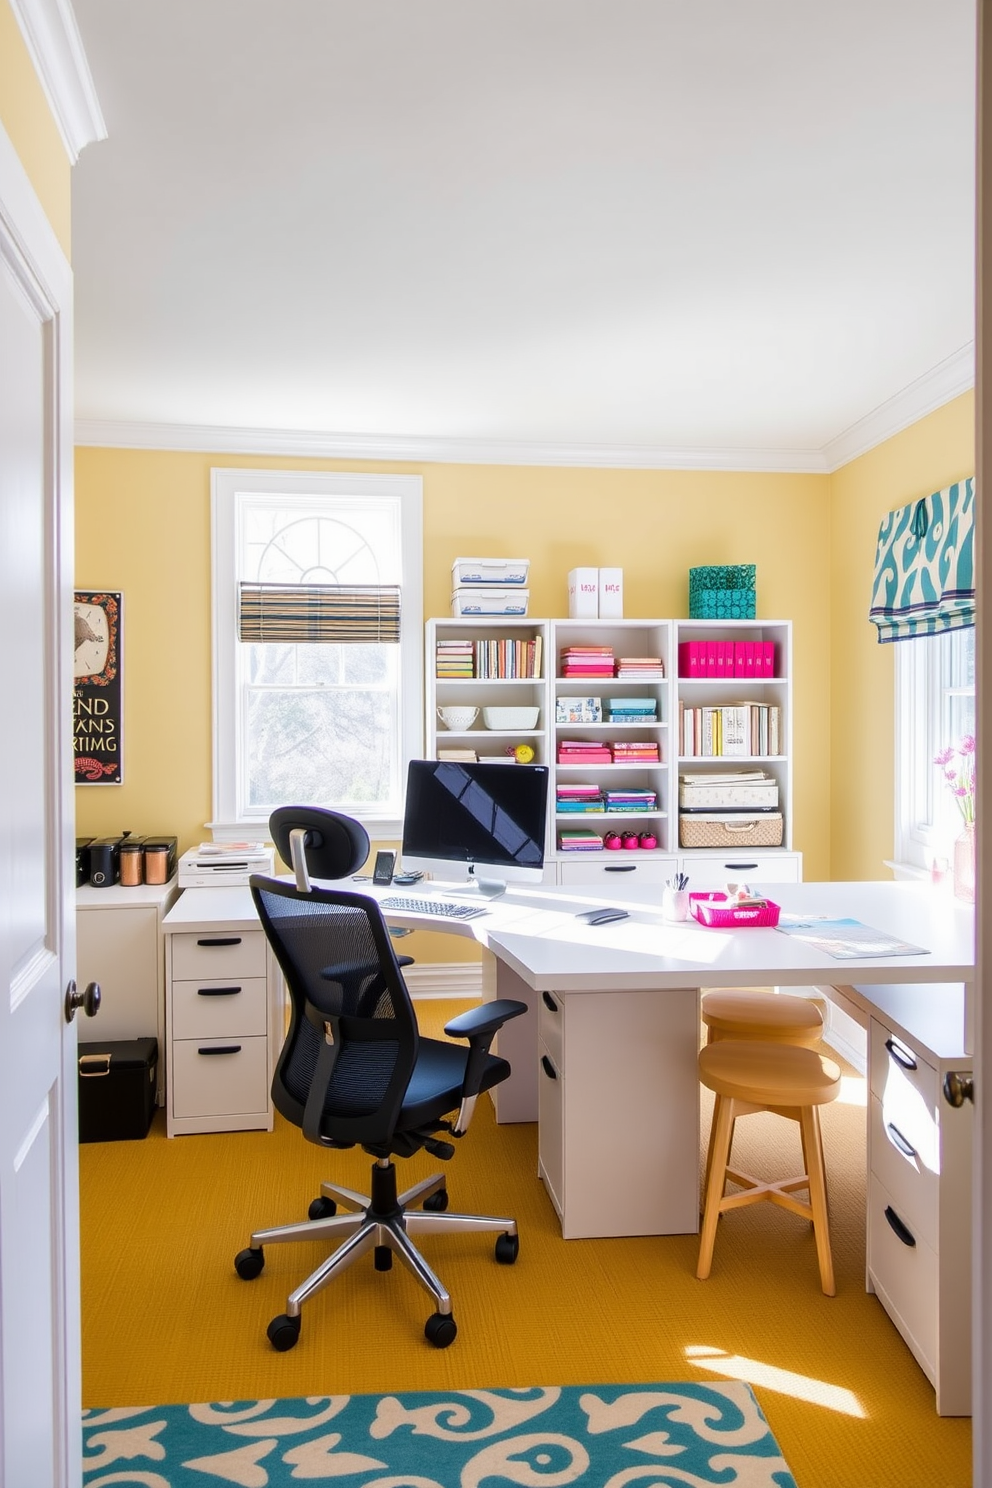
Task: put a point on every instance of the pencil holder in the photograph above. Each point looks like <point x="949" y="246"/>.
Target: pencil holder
<point x="675" y="904"/>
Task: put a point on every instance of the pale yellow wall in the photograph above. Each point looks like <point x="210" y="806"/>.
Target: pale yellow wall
<point x="927" y="456"/>
<point x="26" y="118"/>
<point x="143" y="527"/>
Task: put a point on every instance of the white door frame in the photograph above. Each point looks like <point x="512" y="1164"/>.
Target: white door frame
<point x="30" y="251"/>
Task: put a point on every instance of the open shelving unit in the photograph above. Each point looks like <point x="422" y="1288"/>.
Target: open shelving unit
<point x="627" y="638"/>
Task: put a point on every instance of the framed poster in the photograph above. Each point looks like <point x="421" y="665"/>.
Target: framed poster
<point x="97" y="712"/>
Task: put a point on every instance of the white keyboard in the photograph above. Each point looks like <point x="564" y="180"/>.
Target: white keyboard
<point x="441" y="908"/>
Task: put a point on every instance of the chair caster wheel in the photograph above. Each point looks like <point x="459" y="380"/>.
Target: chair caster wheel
<point x="440" y="1329"/>
<point x="322" y="1208"/>
<point x="284" y="1332"/>
<point x="383" y="1258"/>
<point x="248" y="1263"/>
<point x="507" y="1249"/>
<point x="436" y="1203"/>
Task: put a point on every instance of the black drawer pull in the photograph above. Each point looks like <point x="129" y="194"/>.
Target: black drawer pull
<point x="739" y="866"/>
<point x="900" y="1055"/>
<point x="549" y="1002"/>
<point x="221" y="1049"/>
<point x="217" y="991"/>
<point x="898" y="1228"/>
<point x="899" y="1141"/>
<point x="221" y="940"/>
<point x="548" y="1067"/>
<point x="619" y="867"/>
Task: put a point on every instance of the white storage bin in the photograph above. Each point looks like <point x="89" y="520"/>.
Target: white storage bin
<point x="472" y="571"/>
<point x="493" y="600"/>
<point x="583" y="594"/>
<point x="611" y="594"/>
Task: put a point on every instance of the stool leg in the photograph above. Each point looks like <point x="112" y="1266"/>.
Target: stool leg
<point x="709" y="1150"/>
<point x="716" y="1182"/>
<point x="810" y="1125"/>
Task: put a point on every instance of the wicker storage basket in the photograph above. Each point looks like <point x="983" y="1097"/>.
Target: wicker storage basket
<point x="706" y="829"/>
<point x="722" y="592"/>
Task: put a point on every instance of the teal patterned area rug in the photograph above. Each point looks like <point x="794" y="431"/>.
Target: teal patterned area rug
<point x="596" y="1436"/>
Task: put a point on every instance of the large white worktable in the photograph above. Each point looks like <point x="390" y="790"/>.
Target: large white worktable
<point x="605" y="1057"/>
<point x="613" y="1015"/>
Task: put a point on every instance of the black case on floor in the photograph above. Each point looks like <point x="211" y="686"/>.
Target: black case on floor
<point x="116" y="1089"/>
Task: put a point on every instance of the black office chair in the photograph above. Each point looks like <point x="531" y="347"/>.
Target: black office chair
<point x="354" y="1071"/>
<point x="323" y="844"/>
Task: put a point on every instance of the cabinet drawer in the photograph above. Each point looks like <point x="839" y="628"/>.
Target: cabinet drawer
<point x="905" y="1170"/>
<point x="896" y="1066"/>
<point x="743" y="866"/>
<point x="550" y="1025"/>
<point x="229" y="1083"/>
<point x="218" y="953"/>
<point x="904" y="1275"/>
<point x="213" y="1009"/>
<point x="613" y="869"/>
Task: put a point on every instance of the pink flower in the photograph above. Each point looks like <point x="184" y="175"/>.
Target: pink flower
<point x="967" y="745"/>
<point x="944" y="757"/>
<point x="960" y="776"/>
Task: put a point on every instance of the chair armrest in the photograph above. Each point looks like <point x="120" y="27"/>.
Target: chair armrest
<point x="487" y="1018"/>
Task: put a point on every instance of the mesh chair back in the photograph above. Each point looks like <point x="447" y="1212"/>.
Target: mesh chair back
<point x="350" y="1010"/>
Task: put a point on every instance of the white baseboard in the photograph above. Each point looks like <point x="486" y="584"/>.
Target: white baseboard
<point x="848" y="1038"/>
<point x="444" y="979"/>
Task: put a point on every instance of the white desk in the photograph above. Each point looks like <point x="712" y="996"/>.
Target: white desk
<point x="605" y="1058"/>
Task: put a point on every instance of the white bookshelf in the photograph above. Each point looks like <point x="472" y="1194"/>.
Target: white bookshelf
<point x="651" y="637"/>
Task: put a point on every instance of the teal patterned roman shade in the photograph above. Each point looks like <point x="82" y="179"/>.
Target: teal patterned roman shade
<point x="925" y="566"/>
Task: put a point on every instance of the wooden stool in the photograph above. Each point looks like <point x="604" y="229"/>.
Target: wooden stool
<point x="748" y="1076"/>
<point x="737" y="1013"/>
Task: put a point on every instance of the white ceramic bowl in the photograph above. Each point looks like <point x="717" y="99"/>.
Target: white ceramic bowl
<point x="510" y="718"/>
<point x="458" y="719"/>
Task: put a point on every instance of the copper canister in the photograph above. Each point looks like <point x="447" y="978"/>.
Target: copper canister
<point x="132" y="862"/>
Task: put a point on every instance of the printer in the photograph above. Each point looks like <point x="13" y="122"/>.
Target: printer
<point x="224" y="864"/>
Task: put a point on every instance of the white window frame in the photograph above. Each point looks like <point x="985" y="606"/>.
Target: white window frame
<point x="226" y="487"/>
<point x="926" y="818"/>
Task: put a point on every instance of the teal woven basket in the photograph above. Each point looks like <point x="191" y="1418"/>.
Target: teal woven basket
<point x="722" y="592"/>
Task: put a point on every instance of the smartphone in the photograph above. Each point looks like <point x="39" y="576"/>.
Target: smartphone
<point x="382" y="873"/>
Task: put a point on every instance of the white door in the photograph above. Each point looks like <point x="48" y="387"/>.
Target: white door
<point x="39" y="1286"/>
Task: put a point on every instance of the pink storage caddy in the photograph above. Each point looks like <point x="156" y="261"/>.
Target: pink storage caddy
<point x="721" y="913"/>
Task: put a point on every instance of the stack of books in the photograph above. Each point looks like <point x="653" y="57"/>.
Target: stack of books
<point x="587" y="661"/>
<point x="740" y="728"/>
<point x="454" y="658"/>
<point x="630" y="800"/>
<point x="632" y="710"/>
<point x="580" y="840"/>
<point x="636" y="752"/>
<point x="509" y="657"/>
<point x="464" y="756"/>
<point x="578" y="798"/>
<point x="640" y="666"/>
<point x="583" y="752"/>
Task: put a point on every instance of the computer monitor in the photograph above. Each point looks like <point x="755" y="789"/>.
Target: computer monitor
<point x="473" y="823"/>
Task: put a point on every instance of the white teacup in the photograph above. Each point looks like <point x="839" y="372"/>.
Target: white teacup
<point x="458" y="719"/>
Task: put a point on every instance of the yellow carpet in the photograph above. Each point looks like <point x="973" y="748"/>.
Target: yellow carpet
<point x="165" y="1318"/>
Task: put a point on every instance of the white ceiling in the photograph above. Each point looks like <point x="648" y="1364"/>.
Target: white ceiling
<point x="648" y="231"/>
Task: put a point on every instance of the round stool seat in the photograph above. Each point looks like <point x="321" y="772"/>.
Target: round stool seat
<point x="768" y="1074"/>
<point x="773" y="1017"/>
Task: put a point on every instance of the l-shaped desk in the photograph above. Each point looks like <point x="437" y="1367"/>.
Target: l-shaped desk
<point x="605" y="1058"/>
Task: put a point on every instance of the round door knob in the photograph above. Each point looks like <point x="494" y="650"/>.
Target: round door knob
<point x="89" y="1000"/>
<point x="959" y="1086"/>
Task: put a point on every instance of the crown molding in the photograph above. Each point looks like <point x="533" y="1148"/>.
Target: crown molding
<point x="206" y="439"/>
<point x="951" y="377"/>
<point x="947" y="380"/>
<point x="56" y="49"/>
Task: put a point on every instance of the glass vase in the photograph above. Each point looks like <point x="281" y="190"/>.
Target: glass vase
<point x="964" y="864"/>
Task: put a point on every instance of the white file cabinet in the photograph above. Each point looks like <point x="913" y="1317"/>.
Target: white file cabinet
<point x="589" y="1088"/>
<point x="919" y="1202"/>
<point x="222" y="1013"/>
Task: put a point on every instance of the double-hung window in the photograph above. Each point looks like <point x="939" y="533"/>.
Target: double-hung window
<point x="318" y="651"/>
<point x="935" y="711"/>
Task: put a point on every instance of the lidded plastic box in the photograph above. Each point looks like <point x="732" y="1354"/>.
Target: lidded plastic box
<point x="492" y="599"/>
<point x="471" y="571"/>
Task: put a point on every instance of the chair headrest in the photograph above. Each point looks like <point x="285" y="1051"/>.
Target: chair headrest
<point x="336" y="845"/>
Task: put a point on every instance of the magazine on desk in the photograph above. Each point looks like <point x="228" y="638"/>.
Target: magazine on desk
<point x="845" y="939"/>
